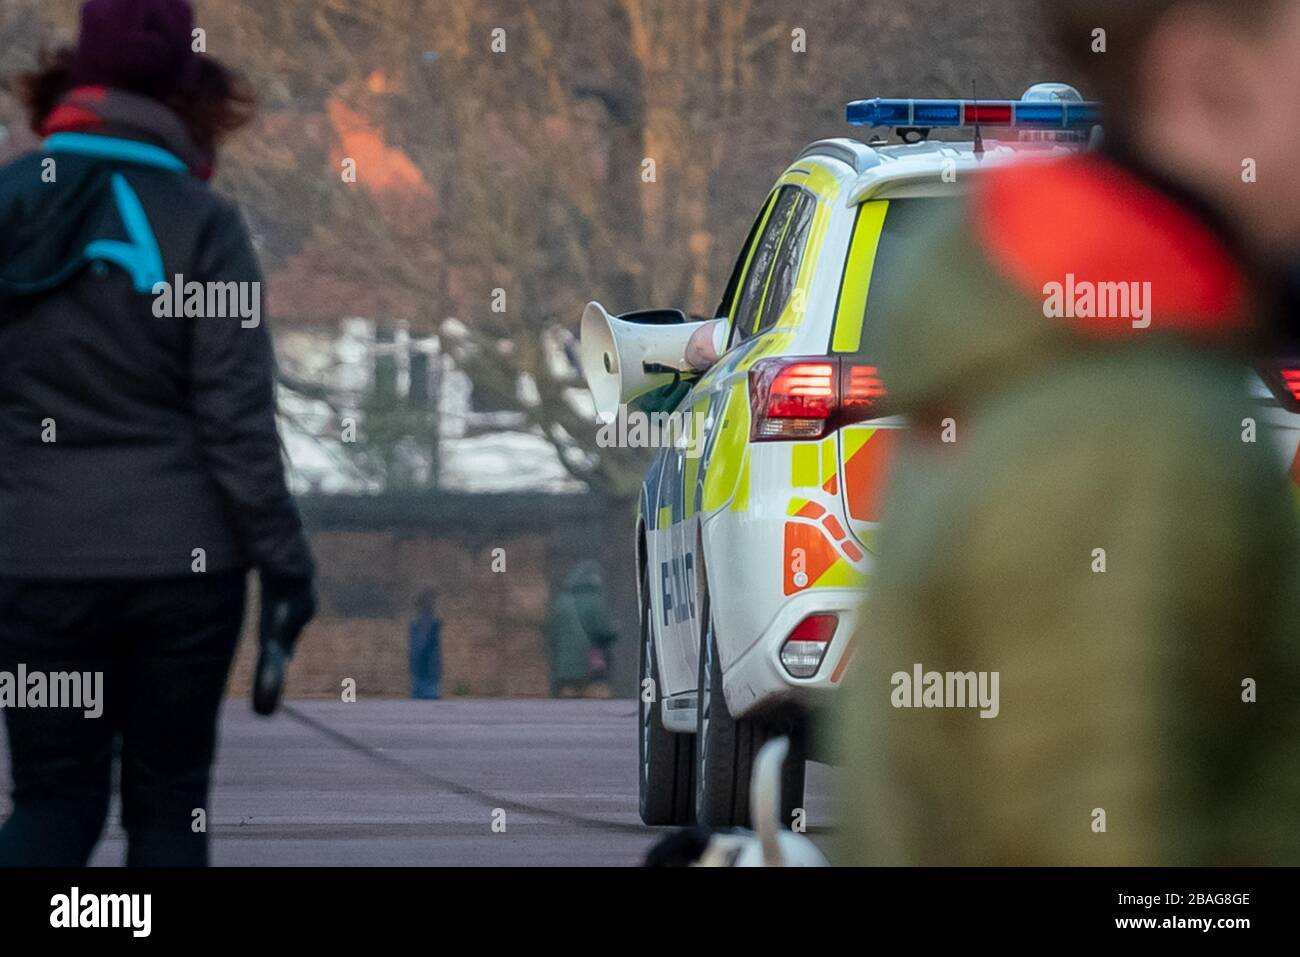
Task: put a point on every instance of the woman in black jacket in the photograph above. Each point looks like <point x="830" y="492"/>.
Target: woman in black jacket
<point x="140" y="467"/>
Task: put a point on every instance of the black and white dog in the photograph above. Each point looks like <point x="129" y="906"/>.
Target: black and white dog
<point x="770" y="846"/>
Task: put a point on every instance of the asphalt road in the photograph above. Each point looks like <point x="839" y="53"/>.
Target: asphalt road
<point x="422" y="783"/>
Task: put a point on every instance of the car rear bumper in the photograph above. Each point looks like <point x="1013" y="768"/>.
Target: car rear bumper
<point x="757" y="680"/>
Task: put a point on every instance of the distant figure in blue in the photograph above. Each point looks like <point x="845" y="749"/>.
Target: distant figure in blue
<point x="426" y="648"/>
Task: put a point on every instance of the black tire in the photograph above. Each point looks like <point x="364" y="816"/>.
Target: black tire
<point x="667" y="759"/>
<point x="725" y="748"/>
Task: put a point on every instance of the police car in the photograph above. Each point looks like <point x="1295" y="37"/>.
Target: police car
<point x="756" y="530"/>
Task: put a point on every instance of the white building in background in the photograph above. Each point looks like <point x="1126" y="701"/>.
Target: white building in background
<point x="479" y="449"/>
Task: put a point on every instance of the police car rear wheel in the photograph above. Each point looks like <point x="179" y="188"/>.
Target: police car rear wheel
<point x="667" y="759"/>
<point x="721" y="743"/>
<point x="726" y="748"/>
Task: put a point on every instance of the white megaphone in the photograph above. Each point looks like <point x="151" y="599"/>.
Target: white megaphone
<point x="626" y="357"/>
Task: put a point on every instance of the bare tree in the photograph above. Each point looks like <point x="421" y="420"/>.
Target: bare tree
<point x="563" y="150"/>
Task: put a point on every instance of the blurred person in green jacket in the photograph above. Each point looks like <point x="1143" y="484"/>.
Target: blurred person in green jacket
<point x="1085" y="542"/>
<point x="579" y="635"/>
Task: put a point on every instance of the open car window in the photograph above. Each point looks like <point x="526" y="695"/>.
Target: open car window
<point x="754" y="283"/>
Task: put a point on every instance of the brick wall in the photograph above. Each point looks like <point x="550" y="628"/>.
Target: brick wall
<point x="376" y="554"/>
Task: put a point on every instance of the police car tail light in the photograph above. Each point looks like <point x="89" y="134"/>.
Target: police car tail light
<point x="807" y="398"/>
<point x="792" y="398"/>
<point x="1291" y="379"/>
<point x="803" y="651"/>
<point x="862" y="391"/>
<point x="1283" y="380"/>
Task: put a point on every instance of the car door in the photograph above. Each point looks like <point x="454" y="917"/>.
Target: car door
<point x="674" y="560"/>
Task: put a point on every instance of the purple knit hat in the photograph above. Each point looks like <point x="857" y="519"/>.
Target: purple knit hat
<point x="144" y="46"/>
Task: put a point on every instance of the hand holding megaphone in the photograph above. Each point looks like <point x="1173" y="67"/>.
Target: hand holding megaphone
<point x="287" y="606"/>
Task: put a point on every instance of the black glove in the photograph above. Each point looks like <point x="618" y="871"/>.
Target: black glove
<point x="287" y="606"/>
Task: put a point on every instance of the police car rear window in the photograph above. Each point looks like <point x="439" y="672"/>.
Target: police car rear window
<point x="903" y="219"/>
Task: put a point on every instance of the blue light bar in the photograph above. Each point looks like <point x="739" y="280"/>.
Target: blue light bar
<point x="1023" y="114"/>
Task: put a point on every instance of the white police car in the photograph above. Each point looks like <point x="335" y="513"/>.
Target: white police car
<point x="755" y="531"/>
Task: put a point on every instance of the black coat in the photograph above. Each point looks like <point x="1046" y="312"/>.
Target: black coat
<point x="164" y="434"/>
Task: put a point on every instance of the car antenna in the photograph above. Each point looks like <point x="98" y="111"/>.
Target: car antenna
<point x="979" y="139"/>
